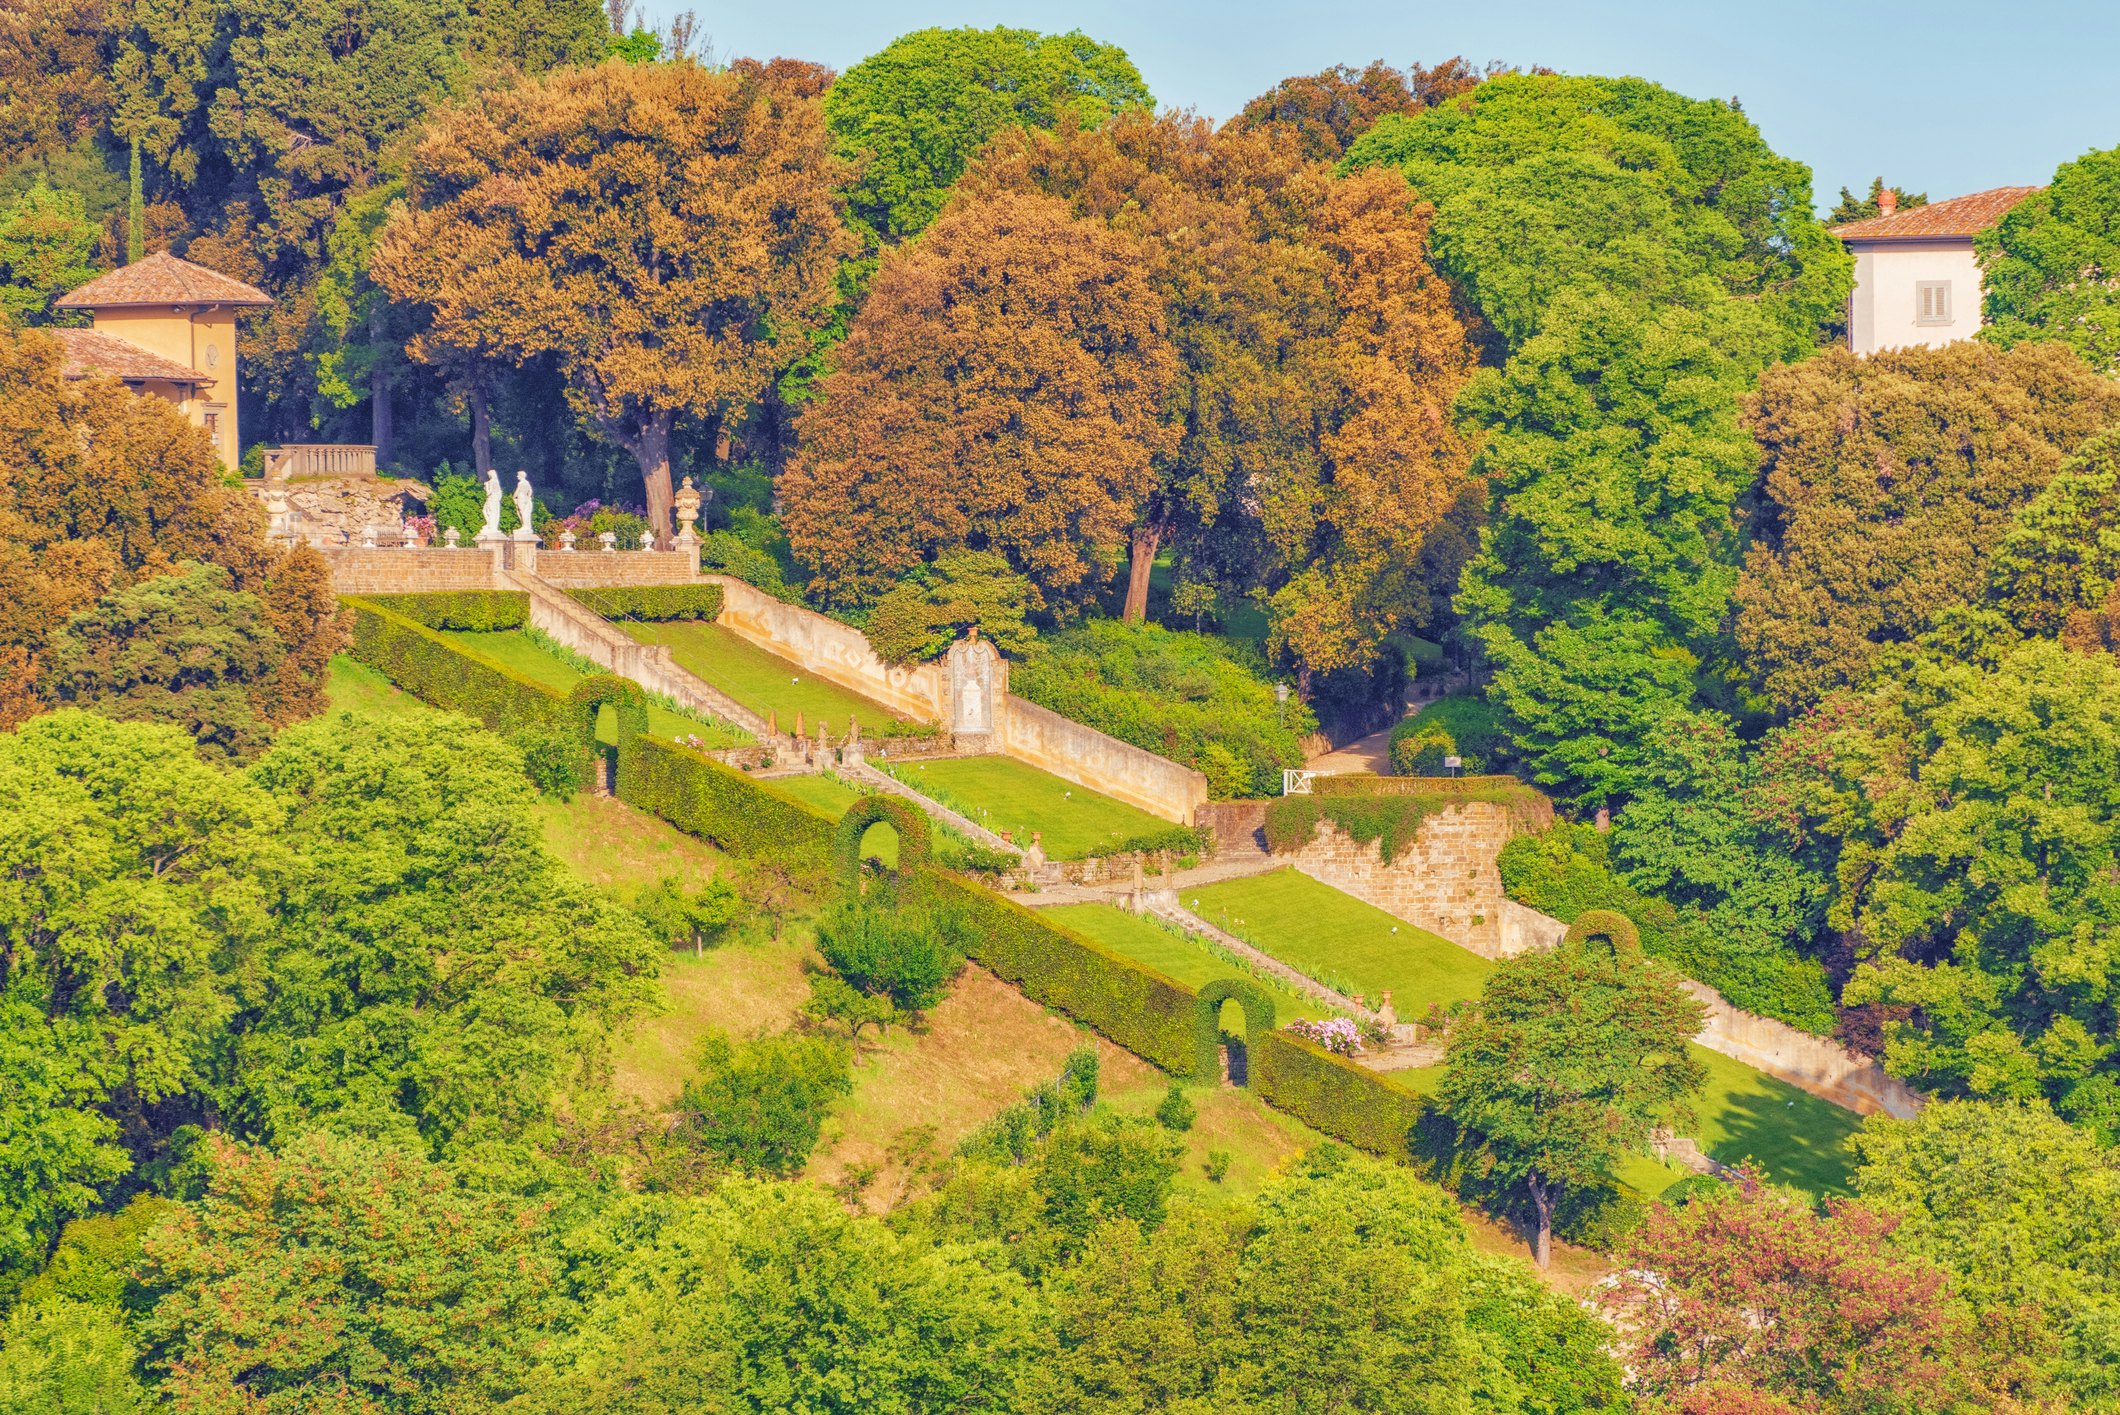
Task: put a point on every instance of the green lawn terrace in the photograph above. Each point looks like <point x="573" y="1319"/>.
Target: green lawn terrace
<point x="559" y="671"/>
<point x="766" y="683"/>
<point x="1185" y="957"/>
<point x="1013" y="798"/>
<point x="1739" y="1114"/>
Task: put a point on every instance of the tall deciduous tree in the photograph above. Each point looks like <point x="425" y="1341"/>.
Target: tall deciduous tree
<point x="2056" y="566"/>
<point x="1747" y="1290"/>
<point x="1327" y="111"/>
<point x="1003" y="389"/>
<point x="1569" y="1061"/>
<point x="2050" y="269"/>
<point x="1889" y="482"/>
<point x="665" y="232"/>
<point x="101" y="488"/>
<point x="912" y="115"/>
<point x="47" y="244"/>
<point x="1318" y="359"/>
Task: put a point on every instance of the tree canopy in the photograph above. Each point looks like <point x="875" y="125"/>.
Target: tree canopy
<point x="2047" y="269"/>
<point x="1002" y="389"/>
<point x="912" y="115"/>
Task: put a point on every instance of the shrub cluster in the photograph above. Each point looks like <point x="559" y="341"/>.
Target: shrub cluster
<point x="651" y="602"/>
<point x="1198" y="699"/>
<point x="1466" y="728"/>
<point x="469" y="611"/>
<point x="418" y="659"/>
<point x="1330" y="1093"/>
<point x="1567" y="872"/>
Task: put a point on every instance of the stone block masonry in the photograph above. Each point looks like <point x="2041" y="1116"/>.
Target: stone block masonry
<point x="360" y="572"/>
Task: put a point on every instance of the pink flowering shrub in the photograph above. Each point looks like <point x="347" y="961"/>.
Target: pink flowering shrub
<point x="1338" y="1035"/>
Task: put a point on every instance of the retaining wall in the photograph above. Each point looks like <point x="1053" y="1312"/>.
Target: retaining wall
<point x="583" y="569"/>
<point x="835" y="652"/>
<point x="1098" y="761"/>
<point x="357" y="571"/>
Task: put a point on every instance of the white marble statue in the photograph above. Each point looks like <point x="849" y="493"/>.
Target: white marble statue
<point x="492" y="527"/>
<point x="522" y="505"/>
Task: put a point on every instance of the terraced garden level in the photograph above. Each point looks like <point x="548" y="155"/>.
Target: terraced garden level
<point x="1178" y="955"/>
<point x="1009" y="796"/>
<point x="540" y="664"/>
<point x="1741" y="1113"/>
<point x="767" y="683"/>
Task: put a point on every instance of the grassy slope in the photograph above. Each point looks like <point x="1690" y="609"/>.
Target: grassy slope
<point x="761" y="681"/>
<point x="1740" y="1113"/>
<point x="526" y="656"/>
<point x="1004" y="794"/>
<point x="1327" y="933"/>
<point x="1168" y="951"/>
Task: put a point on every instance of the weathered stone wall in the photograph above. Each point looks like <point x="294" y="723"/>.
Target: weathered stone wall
<point x="835" y="652"/>
<point x="1525" y="928"/>
<point x="1446" y="882"/>
<point x="584" y="569"/>
<point x="356" y="571"/>
<point x="1103" y="763"/>
<point x="1815" y="1064"/>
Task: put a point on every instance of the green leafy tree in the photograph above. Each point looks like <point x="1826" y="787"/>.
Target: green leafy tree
<point x="58" y="1356"/>
<point x="365" y="355"/>
<point x="763" y="1297"/>
<point x="187" y="649"/>
<point x="2059" y="560"/>
<point x="1984" y="872"/>
<point x="342" y="1275"/>
<point x="1636" y="259"/>
<point x="933" y="607"/>
<point x="1569" y="1061"/>
<point x="1105" y="1168"/>
<point x="47" y="247"/>
<point x="912" y="115"/>
<point x="891" y="947"/>
<point x="2048" y="268"/>
<point x="683" y="916"/>
<point x="1889" y="482"/>
<point x="758" y="1105"/>
<point x="125" y="860"/>
<point x="2023" y="1210"/>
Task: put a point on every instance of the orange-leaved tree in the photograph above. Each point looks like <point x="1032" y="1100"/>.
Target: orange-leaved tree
<point x="101" y="489"/>
<point x="668" y="234"/>
<point x="1003" y="389"/>
<point x="1319" y="355"/>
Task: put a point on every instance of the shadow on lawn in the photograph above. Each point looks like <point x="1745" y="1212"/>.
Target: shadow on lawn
<point x="1805" y="1144"/>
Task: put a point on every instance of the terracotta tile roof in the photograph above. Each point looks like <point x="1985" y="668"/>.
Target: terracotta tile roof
<point x="1960" y="216"/>
<point x="161" y="279"/>
<point x="92" y="351"/>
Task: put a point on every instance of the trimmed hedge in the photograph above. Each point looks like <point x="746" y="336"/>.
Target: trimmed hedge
<point x="472" y="611"/>
<point x="1330" y="1093"/>
<point x="651" y="602"/>
<point x="1391" y="810"/>
<point x="1138" y="1008"/>
<point x="704" y="798"/>
<point x="430" y="667"/>
<point x="1207" y="1020"/>
<point x="910" y="822"/>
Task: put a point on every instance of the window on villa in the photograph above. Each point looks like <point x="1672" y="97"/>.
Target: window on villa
<point x="1932" y="302"/>
<point x="213" y="423"/>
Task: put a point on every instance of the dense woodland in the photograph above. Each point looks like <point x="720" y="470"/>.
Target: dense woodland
<point x="1529" y="381"/>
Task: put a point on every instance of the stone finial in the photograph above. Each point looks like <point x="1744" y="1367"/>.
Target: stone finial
<point x="566" y="542"/>
<point x="854" y="729"/>
<point x="772" y="722"/>
<point x="609" y="540"/>
<point x="799" y="733"/>
<point x="451" y="537"/>
<point x="368" y="537"/>
<point x="688" y="501"/>
<point x="412" y="536"/>
<point x="647" y="540"/>
<point x="1387" y="1015"/>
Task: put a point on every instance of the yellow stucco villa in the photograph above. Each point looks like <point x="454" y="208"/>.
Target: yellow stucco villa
<point x="167" y="327"/>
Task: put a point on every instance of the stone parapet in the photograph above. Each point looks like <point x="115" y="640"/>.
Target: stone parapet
<point x="423" y="571"/>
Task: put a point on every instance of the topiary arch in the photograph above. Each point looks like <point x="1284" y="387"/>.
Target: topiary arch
<point x="908" y="820"/>
<point x="626" y="700"/>
<point x="1613" y="927"/>
<point x="1207" y="1022"/>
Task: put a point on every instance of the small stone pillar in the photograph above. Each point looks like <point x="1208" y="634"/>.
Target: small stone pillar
<point x="772" y="722"/>
<point x="1387" y="1015"/>
<point x="850" y="752"/>
<point x="799" y="733"/>
<point x="1136" y="889"/>
<point x="279" y="514"/>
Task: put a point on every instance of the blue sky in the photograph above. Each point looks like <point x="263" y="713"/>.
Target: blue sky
<point x="1945" y="97"/>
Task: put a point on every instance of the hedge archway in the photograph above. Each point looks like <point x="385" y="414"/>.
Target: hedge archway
<point x="626" y="700"/>
<point x="1615" y="928"/>
<point x="1207" y="1022"/>
<point x="908" y="820"/>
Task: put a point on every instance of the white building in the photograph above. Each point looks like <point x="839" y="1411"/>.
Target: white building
<point x="1916" y="279"/>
